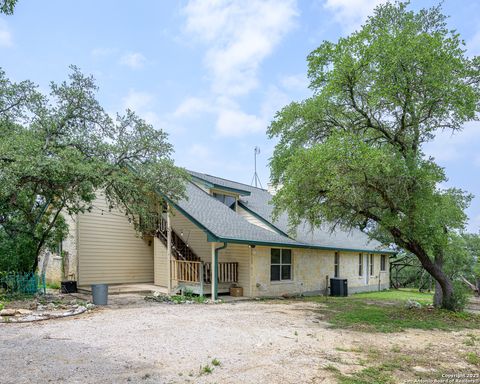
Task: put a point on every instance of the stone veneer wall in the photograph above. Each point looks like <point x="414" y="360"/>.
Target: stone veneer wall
<point x="51" y="262"/>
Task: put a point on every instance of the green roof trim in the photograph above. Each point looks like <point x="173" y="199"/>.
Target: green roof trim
<point x="214" y="239"/>
<point x="208" y="184"/>
<point x="186" y="214"/>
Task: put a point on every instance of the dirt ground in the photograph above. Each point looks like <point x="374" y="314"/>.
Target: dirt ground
<point x="253" y="341"/>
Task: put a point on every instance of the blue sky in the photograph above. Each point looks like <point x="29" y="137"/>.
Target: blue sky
<point x="212" y="74"/>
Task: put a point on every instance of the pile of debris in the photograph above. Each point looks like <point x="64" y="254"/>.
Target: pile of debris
<point x="186" y="298"/>
<point x="43" y="308"/>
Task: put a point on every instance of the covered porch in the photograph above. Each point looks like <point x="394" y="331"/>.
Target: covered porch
<point x="197" y="276"/>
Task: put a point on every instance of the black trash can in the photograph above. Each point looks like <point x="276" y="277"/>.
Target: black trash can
<point x="100" y="294"/>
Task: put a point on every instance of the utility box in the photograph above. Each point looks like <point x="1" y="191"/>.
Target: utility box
<point x="338" y="287"/>
<point x="68" y="286"/>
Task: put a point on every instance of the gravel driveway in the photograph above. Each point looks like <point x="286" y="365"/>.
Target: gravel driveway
<point x="255" y="342"/>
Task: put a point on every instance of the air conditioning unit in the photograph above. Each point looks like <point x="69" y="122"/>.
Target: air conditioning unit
<point x="338" y="287"/>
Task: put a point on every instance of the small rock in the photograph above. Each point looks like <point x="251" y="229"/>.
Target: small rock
<point x="420" y="369"/>
<point x="90" y="306"/>
<point x="8" y="312"/>
<point x="51" y="306"/>
<point x="410" y="304"/>
<point x="22" y="311"/>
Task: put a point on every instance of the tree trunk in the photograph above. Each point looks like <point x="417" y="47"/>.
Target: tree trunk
<point x="443" y="287"/>
<point x="438" y="295"/>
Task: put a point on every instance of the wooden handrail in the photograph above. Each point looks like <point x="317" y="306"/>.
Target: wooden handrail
<point x="186" y="271"/>
<point x="227" y="272"/>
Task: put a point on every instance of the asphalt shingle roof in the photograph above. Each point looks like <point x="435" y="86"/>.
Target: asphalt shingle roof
<point x="225" y="223"/>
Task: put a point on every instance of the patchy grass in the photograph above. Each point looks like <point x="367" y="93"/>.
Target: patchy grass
<point x="206" y="370"/>
<point x="405" y="294"/>
<point x="472" y="358"/>
<point x="367" y="376"/>
<point x="386" y="312"/>
<point x="385" y="366"/>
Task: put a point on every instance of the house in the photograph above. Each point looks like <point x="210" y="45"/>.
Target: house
<point x="222" y="233"/>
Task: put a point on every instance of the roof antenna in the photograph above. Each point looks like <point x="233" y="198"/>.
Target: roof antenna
<point x="255" y="178"/>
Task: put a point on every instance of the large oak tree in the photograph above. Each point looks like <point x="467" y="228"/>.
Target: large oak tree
<point x="58" y="151"/>
<point x="351" y="154"/>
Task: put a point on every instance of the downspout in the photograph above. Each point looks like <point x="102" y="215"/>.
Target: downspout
<point x="215" y="271"/>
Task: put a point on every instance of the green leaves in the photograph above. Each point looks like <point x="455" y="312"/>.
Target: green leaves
<point x="352" y="154"/>
<point x="58" y="152"/>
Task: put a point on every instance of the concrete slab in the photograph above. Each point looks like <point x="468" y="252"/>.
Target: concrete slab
<point x="115" y="289"/>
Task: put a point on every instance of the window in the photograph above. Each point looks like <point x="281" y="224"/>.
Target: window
<point x="228" y="200"/>
<point x="360" y="264"/>
<point x="337" y="265"/>
<point x="281" y="264"/>
<point x="383" y="262"/>
<point x="371" y="264"/>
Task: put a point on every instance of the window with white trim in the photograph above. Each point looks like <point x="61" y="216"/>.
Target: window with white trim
<point x="280" y="264"/>
<point x="372" y="269"/>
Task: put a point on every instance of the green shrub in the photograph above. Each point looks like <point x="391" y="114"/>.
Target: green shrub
<point x="53" y="285"/>
<point x="460" y="297"/>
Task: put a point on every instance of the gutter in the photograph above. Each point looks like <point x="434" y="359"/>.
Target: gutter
<point x="215" y="272"/>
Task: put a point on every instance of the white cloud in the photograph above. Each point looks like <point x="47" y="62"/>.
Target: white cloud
<point x="142" y="104"/>
<point x="6" y="39"/>
<point x="234" y="122"/>
<point x="137" y="101"/>
<point x="350" y="14"/>
<point x="239" y="36"/>
<point x="192" y="106"/>
<point x="134" y="60"/>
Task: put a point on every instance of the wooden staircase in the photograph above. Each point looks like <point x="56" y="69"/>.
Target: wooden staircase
<point x="180" y="249"/>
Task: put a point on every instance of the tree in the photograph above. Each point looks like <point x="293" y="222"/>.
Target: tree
<point x="7" y="6"/>
<point x="352" y="153"/>
<point x="58" y="152"/>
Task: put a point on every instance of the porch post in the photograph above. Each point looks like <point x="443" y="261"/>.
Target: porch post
<point x="169" y="250"/>
<point x="213" y="273"/>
